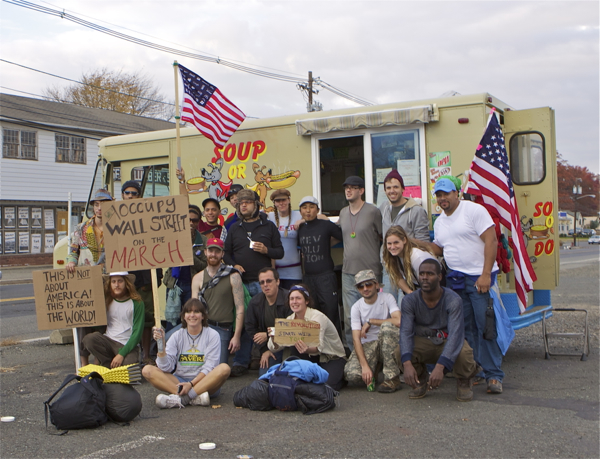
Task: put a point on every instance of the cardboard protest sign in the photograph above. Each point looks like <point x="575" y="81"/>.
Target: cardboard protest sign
<point x="146" y="233"/>
<point x="65" y="300"/>
<point x="287" y="332"/>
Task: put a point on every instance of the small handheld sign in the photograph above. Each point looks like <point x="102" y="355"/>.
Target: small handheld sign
<point x="287" y="332"/>
<point x="69" y="300"/>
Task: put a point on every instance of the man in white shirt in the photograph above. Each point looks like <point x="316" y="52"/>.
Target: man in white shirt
<point x="465" y="236"/>
<point x="375" y="322"/>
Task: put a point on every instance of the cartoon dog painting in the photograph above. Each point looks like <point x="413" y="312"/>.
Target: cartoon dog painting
<point x="266" y="181"/>
<point x="216" y="188"/>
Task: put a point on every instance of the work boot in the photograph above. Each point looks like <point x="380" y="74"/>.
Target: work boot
<point x="464" y="392"/>
<point x="390" y="385"/>
<point x="421" y="390"/>
<point x="237" y="371"/>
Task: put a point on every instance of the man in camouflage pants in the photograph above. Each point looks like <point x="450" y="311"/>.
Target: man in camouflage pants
<point x="375" y="320"/>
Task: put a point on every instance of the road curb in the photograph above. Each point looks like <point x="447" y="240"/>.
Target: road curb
<point x="16" y="281"/>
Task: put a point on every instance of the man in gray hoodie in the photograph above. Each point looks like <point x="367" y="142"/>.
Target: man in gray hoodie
<point x="399" y="210"/>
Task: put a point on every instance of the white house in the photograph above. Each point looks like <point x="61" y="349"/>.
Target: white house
<point x="48" y="150"/>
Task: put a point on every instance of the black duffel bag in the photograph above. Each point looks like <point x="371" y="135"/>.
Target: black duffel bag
<point x="81" y="406"/>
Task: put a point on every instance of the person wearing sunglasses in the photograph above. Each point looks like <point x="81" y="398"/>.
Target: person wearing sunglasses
<point x="143" y="280"/>
<point x="375" y="322"/>
<point x="263" y="309"/>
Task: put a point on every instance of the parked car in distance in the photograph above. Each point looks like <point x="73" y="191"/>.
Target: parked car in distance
<point x="588" y="232"/>
<point x="595" y="239"/>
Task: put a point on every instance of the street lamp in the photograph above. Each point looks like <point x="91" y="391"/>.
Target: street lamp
<point x="575" y="198"/>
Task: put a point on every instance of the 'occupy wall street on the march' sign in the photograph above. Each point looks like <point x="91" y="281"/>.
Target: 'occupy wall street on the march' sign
<point x="69" y="300"/>
<point x="146" y="233"/>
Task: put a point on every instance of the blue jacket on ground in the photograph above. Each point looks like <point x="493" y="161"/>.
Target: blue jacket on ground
<point x="302" y="369"/>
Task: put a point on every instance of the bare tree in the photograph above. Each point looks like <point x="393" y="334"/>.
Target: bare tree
<point x="134" y="94"/>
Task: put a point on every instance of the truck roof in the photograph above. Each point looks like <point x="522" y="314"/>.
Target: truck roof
<point x="439" y="102"/>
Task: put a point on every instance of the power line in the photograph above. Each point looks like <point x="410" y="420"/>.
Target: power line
<point x="87" y="84"/>
<point x="216" y="60"/>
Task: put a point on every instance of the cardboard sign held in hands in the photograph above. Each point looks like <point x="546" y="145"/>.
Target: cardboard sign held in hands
<point x="147" y="233"/>
<point x="287" y="332"/>
<point x="64" y="300"/>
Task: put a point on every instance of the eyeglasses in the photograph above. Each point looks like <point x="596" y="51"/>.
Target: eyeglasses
<point x="350" y="187"/>
<point x="245" y="203"/>
<point x="266" y="281"/>
<point x="280" y="200"/>
<point x="365" y="284"/>
<point x="132" y="193"/>
<point x="194" y="220"/>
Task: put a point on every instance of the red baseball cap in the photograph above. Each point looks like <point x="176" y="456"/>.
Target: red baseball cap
<point x="214" y="242"/>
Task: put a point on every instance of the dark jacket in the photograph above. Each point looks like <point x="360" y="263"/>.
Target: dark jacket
<point x="238" y="251"/>
<point x="255" y="314"/>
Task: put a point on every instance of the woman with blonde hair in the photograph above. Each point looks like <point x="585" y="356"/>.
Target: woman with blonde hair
<point x="402" y="258"/>
<point x="125" y="312"/>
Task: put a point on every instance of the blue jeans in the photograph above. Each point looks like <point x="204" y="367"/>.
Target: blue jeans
<point x="391" y="289"/>
<point x="242" y="356"/>
<point x="349" y="296"/>
<point x="253" y="288"/>
<point x="487" y="353"/>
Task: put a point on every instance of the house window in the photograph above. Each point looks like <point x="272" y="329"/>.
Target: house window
<point x="19" y="144"/>
<point x="70" y="149"/>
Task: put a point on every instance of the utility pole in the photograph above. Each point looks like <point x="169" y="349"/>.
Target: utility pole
<point x="308" y="87"/>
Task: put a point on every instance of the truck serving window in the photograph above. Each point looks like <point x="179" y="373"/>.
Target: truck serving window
<point x="527" y="158"/>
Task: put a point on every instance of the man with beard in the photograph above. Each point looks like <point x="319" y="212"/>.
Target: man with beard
<point x="219" y="286"/>
<point x="252" y="243"/>
<point x="432" y="332"/>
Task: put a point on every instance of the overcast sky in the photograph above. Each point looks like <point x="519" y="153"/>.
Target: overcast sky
<point x="528" y="54"/>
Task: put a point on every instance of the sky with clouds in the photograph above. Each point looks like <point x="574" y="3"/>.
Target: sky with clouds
<point x="528" y="54"/>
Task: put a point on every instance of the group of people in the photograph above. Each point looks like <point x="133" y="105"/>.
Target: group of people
<point x="404" y="313"/>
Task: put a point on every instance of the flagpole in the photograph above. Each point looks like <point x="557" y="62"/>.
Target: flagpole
<point x="177" y="115"/>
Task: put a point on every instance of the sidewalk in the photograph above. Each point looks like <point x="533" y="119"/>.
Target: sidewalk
<point x="20" y="274"/>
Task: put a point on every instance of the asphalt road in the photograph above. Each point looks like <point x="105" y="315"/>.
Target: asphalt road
<point x="549" y="408"/>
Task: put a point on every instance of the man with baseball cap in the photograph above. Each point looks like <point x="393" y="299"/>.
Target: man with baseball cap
<point x="219" y="286"/>
<point x="399" y="210"/>
<point x="466" y="237"/>
<point x="211" y="227"/>
<point x="315" y="237"/>
<point x="375" y="331"/>
<point x="361" y="230"/>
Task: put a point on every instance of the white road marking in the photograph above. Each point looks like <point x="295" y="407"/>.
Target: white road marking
<point x="119" y="449"/>
<point x="585" y="260"/>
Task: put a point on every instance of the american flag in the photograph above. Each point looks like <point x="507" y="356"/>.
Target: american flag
<point x="490" y="178"/>
<point x="208" y="109"/>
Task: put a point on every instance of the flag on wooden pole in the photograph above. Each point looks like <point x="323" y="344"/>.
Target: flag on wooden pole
<point x="490" y="178"/>
<point x="213" y="114"/>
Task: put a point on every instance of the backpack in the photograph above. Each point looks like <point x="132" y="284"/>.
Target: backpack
<point x="81" y="406"/>
<point x="282" y="388"/>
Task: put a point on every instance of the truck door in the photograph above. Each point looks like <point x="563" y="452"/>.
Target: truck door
<point x="531" y="143"/>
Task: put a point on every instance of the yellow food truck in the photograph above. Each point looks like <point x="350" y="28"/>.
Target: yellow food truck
<point x="312" y="154"/>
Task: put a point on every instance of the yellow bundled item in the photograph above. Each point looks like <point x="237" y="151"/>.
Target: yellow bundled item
<point x="128" y="374"/>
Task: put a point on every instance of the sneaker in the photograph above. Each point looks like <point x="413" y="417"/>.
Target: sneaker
<point x="201" y="400"/>
<point x="494" y="386"/>
<point x="238" y="370"/>
<point x="390" y="385"/>
<point x="168" y="401"/>
<point x="464" y="392"/>
<point x="255" y="364"/>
